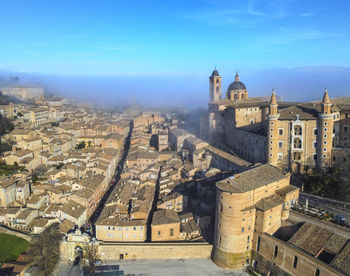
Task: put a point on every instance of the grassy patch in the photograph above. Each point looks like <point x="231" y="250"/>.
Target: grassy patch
<point x="11" y="247"/>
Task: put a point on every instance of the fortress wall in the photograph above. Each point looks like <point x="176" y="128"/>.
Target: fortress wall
<point x="133" y="251"/>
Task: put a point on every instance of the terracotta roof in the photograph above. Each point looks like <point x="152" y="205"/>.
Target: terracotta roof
<point x="311" y="238"/>
<point x="165" y="216"/>
<point x="269" y="202"/>
<point x="342" y="261"/>
<point x="251" y="179"/>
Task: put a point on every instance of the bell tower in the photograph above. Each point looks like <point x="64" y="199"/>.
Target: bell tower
<point x="272" y="132"/>
<point x="325" y="133"/>
<point x="214" y="87"/>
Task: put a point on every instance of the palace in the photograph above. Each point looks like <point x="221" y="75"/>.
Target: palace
<point x="289" y="135"/>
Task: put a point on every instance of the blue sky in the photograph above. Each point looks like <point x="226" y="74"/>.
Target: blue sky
<point x="115" y="37"/>
<point x="176" y="39"/>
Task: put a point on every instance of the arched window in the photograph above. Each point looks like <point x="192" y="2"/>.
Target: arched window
<point x="217" y="89"/>
<point x="235" y="97"/>
<point x="217" y="81"/>
<point x="298" y="130"/>
<point x="242" y="96"/>
<point x="297" y="143"/>
<point x="296" y="156"/>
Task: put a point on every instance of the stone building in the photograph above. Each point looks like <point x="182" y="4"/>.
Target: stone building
<point x="23" y="92"/>
<point x="165" y="225"/>
<point x="252" y="202"/>
<point x="293" y="136"/>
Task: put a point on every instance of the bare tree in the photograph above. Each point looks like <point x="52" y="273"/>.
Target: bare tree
<point x="92" y="255"/>
<point x="45" y="250"/>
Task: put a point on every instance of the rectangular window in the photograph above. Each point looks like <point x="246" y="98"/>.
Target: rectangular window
<point x="171" y="232"/>
<point x="258" y="244"/>
<point x="295" y="262"/>
<point x="280" y="144"/>
<point x="158" y="233"/>
<point x="242" y="230"/>
<point x="275" y="252"/>
<point x="315" y="145"/>
<point x="280" y="155"/>
<point x="315" y="131"/>
<point x="280" y="131"/>
<point x="345" y="129"/>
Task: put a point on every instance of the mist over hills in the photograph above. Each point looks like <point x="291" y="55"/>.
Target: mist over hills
<point x="191" y="90"/>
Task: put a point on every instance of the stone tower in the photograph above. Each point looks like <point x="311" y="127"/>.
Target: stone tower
<point x="214" y="86"/>
<point x="272" y="132"/>
<point x="230" y="247"/>
<point x="325" y="133"/>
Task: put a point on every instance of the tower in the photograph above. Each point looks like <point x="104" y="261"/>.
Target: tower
<point x="272" y="132"/>
<point x="325" y="133"/>
<point x="214" y="86"/>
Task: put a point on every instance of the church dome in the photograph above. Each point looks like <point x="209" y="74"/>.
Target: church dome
<point x="237" y="84"/>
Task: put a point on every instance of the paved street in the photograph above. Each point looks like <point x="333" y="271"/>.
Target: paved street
<point x="65" y="269"/>
<point x="179" y="267"/>
<point x="319" y="203"/>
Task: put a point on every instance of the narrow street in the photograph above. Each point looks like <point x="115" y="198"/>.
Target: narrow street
<point x="117" y="173"/>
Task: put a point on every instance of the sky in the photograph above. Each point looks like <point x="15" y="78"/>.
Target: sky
<point x="175" y="41"/>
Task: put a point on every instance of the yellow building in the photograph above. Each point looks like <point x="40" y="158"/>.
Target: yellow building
<point x="248" y="203"/>
<point x="37" y="116"/>
<point x="118" y="230"/>
<point x="7" y="191"/>
<point x="165" y="226"/>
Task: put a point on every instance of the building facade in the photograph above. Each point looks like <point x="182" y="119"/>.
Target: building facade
<point x="254" y="201"/>
<point x="292" y="136"/>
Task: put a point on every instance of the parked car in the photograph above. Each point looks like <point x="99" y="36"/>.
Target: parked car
<point x="339" y="217"/>
<point x="98" y="262"/>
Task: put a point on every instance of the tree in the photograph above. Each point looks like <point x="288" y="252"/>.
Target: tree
<point x="45" y="250"/>
<point x="89" y="143"/>
<point x="39" y="171"/>
<point x="92" y="255"/>
<point x="81" y="145"/>
<point x="19" y="114"/>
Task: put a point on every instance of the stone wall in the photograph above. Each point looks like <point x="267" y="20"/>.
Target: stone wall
<point x="282" y="263"/>
<point x="155" y="251"/>
<point x="133" y="251"/>
<point x="5" y="230"/>
<point x="341" y="158"/>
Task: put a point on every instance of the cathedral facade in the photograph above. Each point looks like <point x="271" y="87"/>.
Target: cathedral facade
<point x="292" y="136"/>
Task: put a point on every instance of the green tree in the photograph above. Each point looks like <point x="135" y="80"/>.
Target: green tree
<point x="45" y="250"/>
<point x="81" y="145"/>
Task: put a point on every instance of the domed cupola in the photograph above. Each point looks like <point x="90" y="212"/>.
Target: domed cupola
<point x="237" y="90"/>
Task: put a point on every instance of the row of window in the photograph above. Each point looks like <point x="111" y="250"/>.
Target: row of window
<point x="171" y="233"/>
<point x="126" y="228"/>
